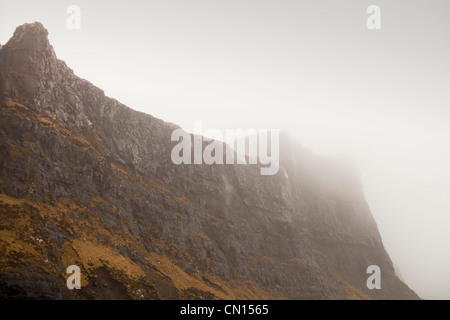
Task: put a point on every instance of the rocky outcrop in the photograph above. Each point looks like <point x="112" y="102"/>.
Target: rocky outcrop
<point x="86" y="180"/>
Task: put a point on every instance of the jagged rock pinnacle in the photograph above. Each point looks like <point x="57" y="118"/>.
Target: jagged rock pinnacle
<point x="28" y="55"/>
<point x="30" y="36"/>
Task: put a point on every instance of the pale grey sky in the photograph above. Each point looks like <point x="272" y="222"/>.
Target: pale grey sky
<point x="308" y="67"/>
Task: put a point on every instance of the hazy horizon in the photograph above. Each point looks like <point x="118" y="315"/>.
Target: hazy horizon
<point x="311" y="68"/>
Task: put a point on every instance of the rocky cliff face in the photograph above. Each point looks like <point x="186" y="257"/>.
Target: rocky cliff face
<point x="85" y="180"/>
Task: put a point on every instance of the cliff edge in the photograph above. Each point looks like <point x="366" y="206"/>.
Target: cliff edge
<point x="87" y="181"/>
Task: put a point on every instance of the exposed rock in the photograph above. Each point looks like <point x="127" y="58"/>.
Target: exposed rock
<point x="85" y="180"/>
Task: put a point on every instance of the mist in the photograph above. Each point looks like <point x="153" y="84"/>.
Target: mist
<point x="310" y="68"/>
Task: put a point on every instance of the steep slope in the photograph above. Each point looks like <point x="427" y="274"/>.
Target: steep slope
<point x="86" y="180"/>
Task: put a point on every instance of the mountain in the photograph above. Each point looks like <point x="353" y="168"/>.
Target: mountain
<point x="87" y="181"/>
